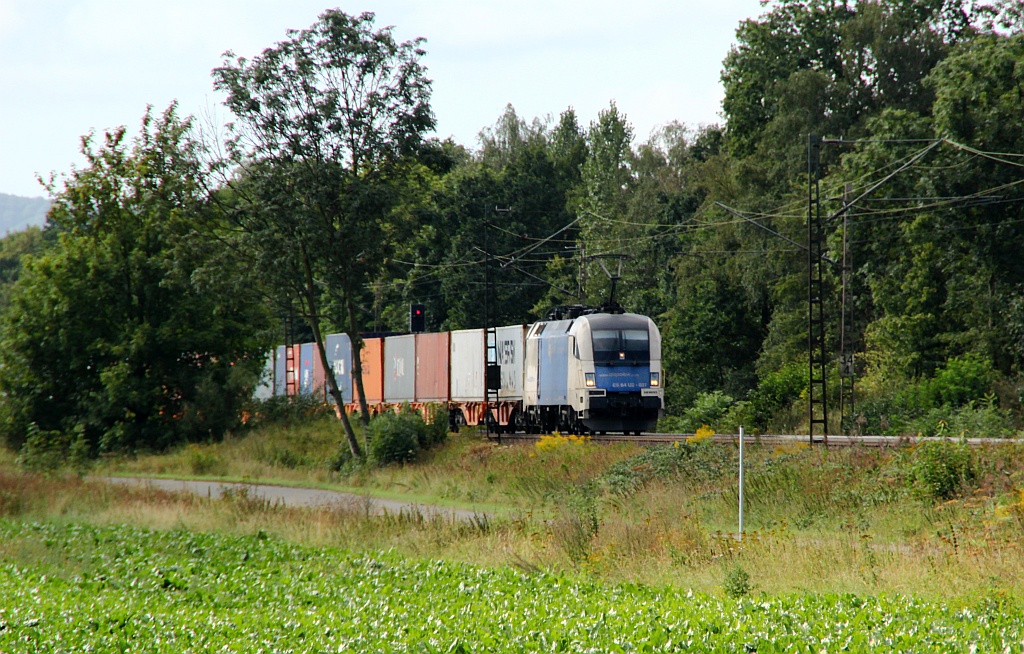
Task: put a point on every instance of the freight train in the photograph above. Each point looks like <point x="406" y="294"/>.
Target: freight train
<point x="587" y="372"/>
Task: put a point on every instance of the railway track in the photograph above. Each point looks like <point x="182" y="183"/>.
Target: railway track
<point x="765" y="439"/>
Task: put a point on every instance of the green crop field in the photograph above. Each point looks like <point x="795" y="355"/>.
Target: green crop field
<point x="74" y="588"/>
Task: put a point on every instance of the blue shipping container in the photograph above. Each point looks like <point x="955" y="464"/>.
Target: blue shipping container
<point x="339" y="360"/>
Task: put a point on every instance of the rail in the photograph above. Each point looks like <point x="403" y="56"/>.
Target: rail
<point x="774" y="439"/>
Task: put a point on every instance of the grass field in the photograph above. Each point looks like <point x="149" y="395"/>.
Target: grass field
<point x="73" y="588"/>
<point x="585" y="548"/>
<point x="940" y="523"/>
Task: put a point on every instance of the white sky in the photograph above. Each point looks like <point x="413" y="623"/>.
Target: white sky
<point x="71" y="66"/>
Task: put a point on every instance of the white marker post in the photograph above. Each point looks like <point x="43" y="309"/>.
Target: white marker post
<point x="741" y="484"/>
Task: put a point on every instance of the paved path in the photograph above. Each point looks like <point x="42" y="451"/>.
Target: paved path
<point x="297" y="497"/>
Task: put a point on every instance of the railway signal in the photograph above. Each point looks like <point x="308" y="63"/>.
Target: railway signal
<point x="417" y="318"/>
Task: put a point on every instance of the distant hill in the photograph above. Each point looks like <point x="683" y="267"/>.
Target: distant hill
<point x="17" y="213"/>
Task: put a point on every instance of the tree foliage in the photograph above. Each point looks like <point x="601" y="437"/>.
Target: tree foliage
<point x="114" y="338"/>
<point x="343" y="208"/>
<point x="325" y="123"/>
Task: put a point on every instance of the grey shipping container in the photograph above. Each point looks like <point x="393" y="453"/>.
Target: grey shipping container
<point x="467" y="365"/>
<point x="400" y="368"/>
<point x="280" y="371"/>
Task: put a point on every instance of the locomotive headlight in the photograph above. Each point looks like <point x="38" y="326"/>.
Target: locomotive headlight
<point x="655" y="379"/>
<point x="589" y="379"/>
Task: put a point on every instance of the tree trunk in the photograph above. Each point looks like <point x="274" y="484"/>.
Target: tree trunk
<point x="357" y="360"/>
<point x="321" y="348"/>
<point x="332" y="388"/>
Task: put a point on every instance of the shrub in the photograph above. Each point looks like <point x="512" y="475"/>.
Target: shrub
<point x="740" y="414"/>
<point x="282" y="409"/>
<point x="982" y="419"/>
<point x="957" y="399"/>
<point x="942" y="468"/>
<point x="693" y="462"/>
<point x="435" y="431"/>
<point x="395" y="437"/>
<point x="737" y="582"/>
<point x="963" y="379"/>
<point x="44" y="450"/>
<point x="203" y="461"/>
<point x="776" y="391"/>
<point x="672" y="425"/>
<point x="47" y="451"/>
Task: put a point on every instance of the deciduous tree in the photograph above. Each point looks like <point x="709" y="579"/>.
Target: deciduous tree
<point x="324" y="121"/>
<point x="114" y="336"/>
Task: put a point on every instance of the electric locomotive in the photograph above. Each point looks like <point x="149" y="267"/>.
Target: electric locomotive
<point x="593" y="373"/>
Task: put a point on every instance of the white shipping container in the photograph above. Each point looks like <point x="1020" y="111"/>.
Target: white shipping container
<point x="511" y="350"/>
<point x="467" y="361"/>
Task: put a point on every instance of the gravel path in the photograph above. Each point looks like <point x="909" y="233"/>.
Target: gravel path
<point x="297" y="497"/>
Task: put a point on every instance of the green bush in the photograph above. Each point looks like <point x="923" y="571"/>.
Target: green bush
<point x="44" y="450"/>
<point x="693" y="462"/>
<point x="982" y="419"/>
<point x="282" y="409"/>
<point x="204" y="461"/>
<point x="395" y="437"/>
<point x="739" y="415"/>
<point x="776" y="391"/>
<point x="958" y="399"/>
<point x="47" y="451"/>
<point x="942" y="468"/>
<point x="707" y="409"/>
<point x="737" y="582"/>
<point x="434" y="432"/>
<point x="963" y="379"/>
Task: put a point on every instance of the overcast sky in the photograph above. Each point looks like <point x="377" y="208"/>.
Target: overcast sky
<point x="71" y="66"/>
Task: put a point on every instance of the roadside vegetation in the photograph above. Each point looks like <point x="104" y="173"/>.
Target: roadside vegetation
<point x="938" y="521"/>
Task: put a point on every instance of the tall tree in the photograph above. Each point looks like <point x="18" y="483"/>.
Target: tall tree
<point x="606" y="180"/>
<point x="325" y="120"/>
<point x="113" y="336"/>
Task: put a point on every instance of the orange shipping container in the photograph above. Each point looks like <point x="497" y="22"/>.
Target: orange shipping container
<point x="432" y="367"/>
<point x="372" y="357"/>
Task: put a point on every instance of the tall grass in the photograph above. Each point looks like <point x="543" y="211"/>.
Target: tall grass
<point x="300" y="452"/>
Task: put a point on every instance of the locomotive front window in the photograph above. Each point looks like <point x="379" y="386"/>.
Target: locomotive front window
<point x="621" y="345"/>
